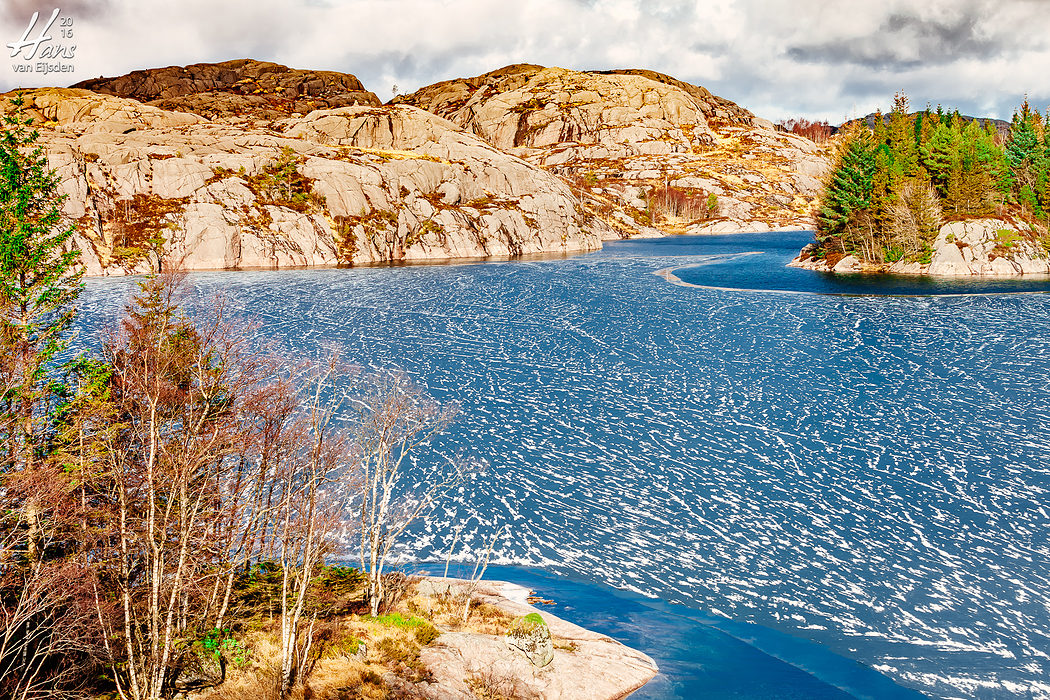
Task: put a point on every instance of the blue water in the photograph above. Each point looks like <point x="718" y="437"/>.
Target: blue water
<point x="759" y="261"/>
<point x="700" y="656"/>
<point x="868" y="473"/>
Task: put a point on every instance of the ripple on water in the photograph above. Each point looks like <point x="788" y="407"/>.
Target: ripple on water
<point x="865" y="472"/>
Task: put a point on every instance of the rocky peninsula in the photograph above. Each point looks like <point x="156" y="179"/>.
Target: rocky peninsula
<point x="424" y="647"/>
<point x="975" y="248"/>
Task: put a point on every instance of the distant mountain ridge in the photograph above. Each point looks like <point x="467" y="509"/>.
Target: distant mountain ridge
<point x="235" y="87"/>
<point x="869" y="120"/>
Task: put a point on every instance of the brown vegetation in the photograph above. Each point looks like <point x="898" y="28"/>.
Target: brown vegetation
<point x="818" y="132"/>
<point x="192" y="492"/>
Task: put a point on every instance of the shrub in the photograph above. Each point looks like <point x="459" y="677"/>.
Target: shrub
<point x="676" y="202"/>
<point x="1007" y="238"/>
<point x="281" y="183"/>
<point x="427" y="634"/>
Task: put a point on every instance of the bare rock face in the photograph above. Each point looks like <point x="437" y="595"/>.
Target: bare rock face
<point x="344" y="186"/>
<point x="614" y="115"/>
<point x="714" y="107"/>
<point x="988" y="248"/>
<point x="649" y="151"/>
<point x="234" y="87"/>
<point x="58" y="108"/>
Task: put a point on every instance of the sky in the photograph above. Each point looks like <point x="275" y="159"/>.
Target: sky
<point x="818" y="59"/>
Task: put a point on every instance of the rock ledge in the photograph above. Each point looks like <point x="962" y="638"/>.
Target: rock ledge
<point x="586" y="665"/>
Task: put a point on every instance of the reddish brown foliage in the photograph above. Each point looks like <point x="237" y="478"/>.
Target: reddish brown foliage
<point x="818" y="132"/>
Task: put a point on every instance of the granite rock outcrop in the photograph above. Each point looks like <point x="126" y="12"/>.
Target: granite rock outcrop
<point x="584" y="665"/>
<point x="351" y="185"/>
<point x="242" y="86"/>
<point x="641" y="146"/>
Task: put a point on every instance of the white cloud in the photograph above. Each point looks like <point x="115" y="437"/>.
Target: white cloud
<point x="779" y="59"/>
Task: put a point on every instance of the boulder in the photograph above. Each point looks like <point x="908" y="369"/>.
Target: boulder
<point x="847" y="264"/>
<point x="531" y="636"/>
<point x="199" y="672"/>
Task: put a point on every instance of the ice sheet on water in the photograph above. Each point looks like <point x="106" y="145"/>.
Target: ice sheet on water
<point x="869" y="473"/>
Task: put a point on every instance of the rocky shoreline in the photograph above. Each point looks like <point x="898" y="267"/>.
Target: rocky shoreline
<point x="585" y="665"/>
<point x="976" y="248"/>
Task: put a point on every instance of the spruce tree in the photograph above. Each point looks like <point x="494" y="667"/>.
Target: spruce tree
<point x="850" y="188"/>
<point x="39" y="283"/>
<point x="1024" y="149"/>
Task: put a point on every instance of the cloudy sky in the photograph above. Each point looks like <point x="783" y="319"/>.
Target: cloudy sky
<point x="826" y="59"/>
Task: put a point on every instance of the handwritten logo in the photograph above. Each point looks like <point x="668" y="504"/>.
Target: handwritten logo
<point x="44" y="47"/>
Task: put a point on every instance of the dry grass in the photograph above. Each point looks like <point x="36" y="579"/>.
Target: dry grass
<point x="491" y="684"/>
<point x="392" y="644"/>
<point x="446" y="611"/>
<point x="339" y="671"/>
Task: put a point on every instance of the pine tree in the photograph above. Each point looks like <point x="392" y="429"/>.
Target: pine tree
<point x="878" y="127"/>
<point x="883" y="184"/>
<point x="939" y="156"/>
<point x="850" y="187"/>
<point x="39" y="284"/>
<point x="975" y="186"/>
<point x="901" y="135"/>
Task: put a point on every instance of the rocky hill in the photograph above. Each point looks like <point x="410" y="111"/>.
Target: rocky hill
<point x="251" y="164"/>
<point x="644" y="148"/>
<point x="244" y="86"/>
<point x="348" y="185"/>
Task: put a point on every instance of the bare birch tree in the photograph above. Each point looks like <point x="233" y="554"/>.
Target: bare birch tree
<point x="175" y="441"/>
<point x="397" y="420"/>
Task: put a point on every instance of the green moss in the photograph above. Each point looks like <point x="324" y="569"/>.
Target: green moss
<point x="1007" y="237"/>
<point x="281" y="183"/>
<point x="526" y="624"/>
<point x="534" y="619"/>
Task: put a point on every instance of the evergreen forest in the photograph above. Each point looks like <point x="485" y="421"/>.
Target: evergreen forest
<point x="896" y="182"/>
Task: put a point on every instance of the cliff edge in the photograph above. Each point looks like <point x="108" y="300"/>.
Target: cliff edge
<point x="350" y="185"/>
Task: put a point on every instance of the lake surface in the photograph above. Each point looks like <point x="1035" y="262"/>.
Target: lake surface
<point x="869" y="473"/>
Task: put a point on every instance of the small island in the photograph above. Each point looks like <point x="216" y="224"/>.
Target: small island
<point x="936" y="193"/>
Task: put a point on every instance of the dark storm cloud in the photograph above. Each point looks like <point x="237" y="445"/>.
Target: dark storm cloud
<point x="19" y="11"/>
<point x="905" y="41"/>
